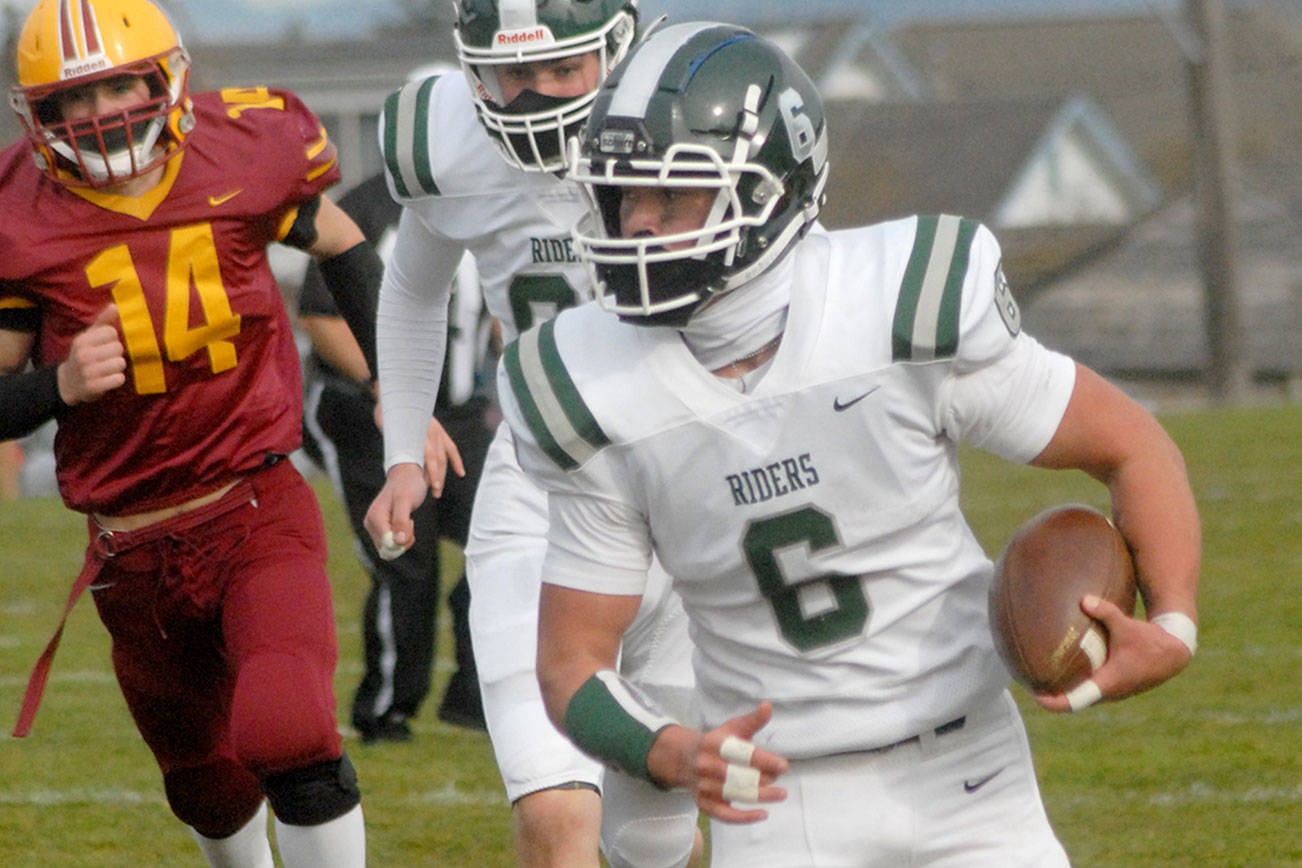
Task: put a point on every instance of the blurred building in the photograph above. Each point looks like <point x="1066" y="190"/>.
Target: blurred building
<point x="1069" y="135"/>
<point x="344" y="82"/>
<point x="1053" y="177"/>
<point x="1133" y="67"/>
<point x="10" y="21"/>
<point x="851" y="59"/>
<point x="1136" y="311"/>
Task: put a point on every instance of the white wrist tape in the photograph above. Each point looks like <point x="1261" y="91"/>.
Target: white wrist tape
<point x="741" y="784"/>
<point x="737" y="750"/>
<point x="388" y="549"/>
<point x="1084" y="695"/>
<point x="1179" y="625"/>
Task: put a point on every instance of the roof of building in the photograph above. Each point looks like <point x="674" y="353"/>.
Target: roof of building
<point x="1139" y="305"/>
<point x="964" y="157"/>
<point x="1134" y="67"/>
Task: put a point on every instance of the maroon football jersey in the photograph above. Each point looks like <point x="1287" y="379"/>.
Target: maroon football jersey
<point x="213" y="380"/>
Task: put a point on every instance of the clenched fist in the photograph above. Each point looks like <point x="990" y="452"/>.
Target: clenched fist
<point x="96" y="362"/>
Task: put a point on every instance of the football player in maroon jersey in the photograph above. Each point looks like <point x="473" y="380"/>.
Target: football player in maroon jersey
<point x="137" y="308"/>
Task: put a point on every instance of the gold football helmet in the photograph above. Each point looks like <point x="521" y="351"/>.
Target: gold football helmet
<point x="68" y="44"/>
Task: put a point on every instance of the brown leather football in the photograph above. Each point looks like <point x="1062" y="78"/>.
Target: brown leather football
<point x="1053" y="560"/>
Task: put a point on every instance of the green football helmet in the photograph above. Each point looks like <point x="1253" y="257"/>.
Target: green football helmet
<point x="708" y="106"/>
<point x="532" y="129"/>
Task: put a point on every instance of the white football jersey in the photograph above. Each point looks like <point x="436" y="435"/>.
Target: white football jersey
<point x="812" y="525"/>
<point x="442" y="167"/>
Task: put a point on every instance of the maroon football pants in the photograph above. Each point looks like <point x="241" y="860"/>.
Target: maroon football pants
<point x="224" y="643"/>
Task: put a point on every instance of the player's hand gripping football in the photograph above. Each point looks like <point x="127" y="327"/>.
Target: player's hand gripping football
<point x="1141" y="655"/>
<point x="721" y="767"/>
<point x="96" y="362"/>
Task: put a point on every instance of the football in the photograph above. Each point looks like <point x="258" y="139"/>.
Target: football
<point x="1050" y="562"/>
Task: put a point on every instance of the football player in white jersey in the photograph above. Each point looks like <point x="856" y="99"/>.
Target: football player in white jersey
<point x="774" y="410"/>
<point x="476" y="158"/>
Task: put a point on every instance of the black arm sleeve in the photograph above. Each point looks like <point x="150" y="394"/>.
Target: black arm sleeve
<point x="353" y="278"/>
<point x="314" y="298"/>
<point x="28" y="400"/>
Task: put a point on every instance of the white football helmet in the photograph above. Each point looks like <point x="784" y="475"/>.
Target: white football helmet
<point x="490" y="34"/>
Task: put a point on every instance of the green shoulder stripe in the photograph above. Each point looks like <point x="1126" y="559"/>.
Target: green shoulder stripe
<point x="550" y="402"/>
<point x="406" y="139"/>
<point x="928" y="307"/>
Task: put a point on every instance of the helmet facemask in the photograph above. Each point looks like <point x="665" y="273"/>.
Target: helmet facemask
<point x="641" y="278"/>
<point x="109" y="148"/>
<point x="531" y="130"/>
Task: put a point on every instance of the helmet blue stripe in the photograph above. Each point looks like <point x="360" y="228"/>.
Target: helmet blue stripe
<point x="705" y="55"/>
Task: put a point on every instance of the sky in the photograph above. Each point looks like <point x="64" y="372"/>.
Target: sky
<point x="237" y="20"/>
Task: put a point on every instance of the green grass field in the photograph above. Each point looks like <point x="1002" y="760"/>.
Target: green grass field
<point x="1205" y="771"/>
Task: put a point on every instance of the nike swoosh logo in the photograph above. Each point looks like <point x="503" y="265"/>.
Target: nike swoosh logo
<point x="218" y="200"/>
<point x="973" y="786"/>
<point x="100" y="586"/>
<point x="840" y="407"/>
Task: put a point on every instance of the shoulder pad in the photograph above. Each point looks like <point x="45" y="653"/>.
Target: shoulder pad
<point x="926" y="321"/>
<point x="279" y="120"/>
<point x="550" y="403"/>
<point x="405" y="127"/>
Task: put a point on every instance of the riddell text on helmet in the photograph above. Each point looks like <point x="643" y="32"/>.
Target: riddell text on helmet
<point x="538" y="34"/>
<point x="83" y="68"/>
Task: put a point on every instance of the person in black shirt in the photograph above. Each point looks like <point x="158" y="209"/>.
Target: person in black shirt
<point x="340" y="433"/>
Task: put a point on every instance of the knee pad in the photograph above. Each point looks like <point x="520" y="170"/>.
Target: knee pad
<point x="215" y="799"/>
<point x="313" y="794"/>
<point x="645" y="827"/>
<point x="650" y="842"/>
